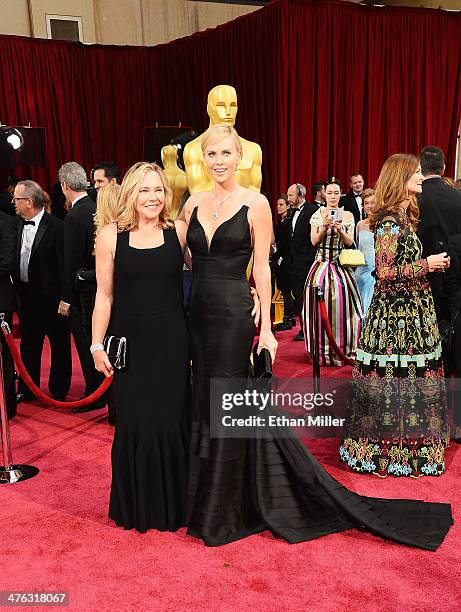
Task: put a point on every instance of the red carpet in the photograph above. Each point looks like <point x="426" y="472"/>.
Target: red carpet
<point x="56" y="535"/>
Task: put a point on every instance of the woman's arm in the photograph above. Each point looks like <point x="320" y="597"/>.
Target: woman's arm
<point x="386" y="244"/>
<point x="181" y="231"/>
<point x="105" y="252"/>
<point x="318" y="232"/>
<point x="260" y="219"/>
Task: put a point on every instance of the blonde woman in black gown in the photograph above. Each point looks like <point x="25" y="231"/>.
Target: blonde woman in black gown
<point x="139" y="261"/>
<point x="239" y="487"/>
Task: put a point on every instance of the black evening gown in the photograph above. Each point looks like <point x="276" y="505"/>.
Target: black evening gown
<point x="238" y="487"/>
<point x="151" y="444"/>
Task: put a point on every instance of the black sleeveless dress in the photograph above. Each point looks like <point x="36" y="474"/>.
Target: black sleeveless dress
<point x="151" y="443"/>
<point x="238" y="487"/>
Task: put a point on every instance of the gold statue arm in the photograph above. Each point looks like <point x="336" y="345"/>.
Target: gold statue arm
<point x="256" y="170"/>
<point x="195" y="168"/>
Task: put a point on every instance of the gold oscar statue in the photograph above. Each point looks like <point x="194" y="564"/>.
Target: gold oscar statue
<point x="222" y="108"/>
<point x="176" y="177"/>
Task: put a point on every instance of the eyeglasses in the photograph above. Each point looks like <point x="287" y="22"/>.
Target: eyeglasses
<point x="14" y="200"/>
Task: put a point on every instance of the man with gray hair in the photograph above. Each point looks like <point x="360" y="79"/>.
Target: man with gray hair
<point x="39" y="281"/>
<point x="302" y="252"/>
<point x="78" y="299"/>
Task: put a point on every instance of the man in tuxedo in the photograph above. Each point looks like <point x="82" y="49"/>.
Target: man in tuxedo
<point x="439" y="218"/>
<point x="453" y="290"/>
<point x="352" y="201"/>
<point x="302" y="252"/>
<point x="318" y="194"/>
<point x="39" y="280"/>
<point x="8" y="237"/>
<point x="79" y="296"/>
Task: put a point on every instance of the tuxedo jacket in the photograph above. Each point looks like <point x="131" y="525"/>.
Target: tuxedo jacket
<point x="439" y="215"/>
<point x="302" y="251"/>
<point x="453" y="274"/>
<point x="439" y="218"/>
<point x="6" y="203"/>
<point x="350" y="203"/>
<point x="8" y="238"/>
<point x="46" y="266"/>
<point x="79" y="233"/>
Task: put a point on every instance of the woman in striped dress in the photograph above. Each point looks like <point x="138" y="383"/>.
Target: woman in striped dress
<point x="336" y="283"/>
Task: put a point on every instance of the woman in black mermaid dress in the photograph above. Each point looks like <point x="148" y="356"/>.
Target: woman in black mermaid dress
<point x="239" y="487"/>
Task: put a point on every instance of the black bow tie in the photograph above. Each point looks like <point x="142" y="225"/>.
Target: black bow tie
<point x="300" y="208"/>
<point x="357" y="195"/>
<point x="26" y="222"/>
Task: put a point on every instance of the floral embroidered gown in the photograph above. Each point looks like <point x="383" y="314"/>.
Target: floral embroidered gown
<point x="396" y="418"/>
<point x="340" y="294"/>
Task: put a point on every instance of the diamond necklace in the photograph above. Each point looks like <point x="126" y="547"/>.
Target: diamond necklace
<point x="215" y="215"/>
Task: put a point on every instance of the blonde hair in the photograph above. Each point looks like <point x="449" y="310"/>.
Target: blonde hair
<point x="392" y="190"/>
<point x="127" y="217"/>
<point x="368" y="193"/>
<point x="107" y="206"/>
<point x="218" y="132"/>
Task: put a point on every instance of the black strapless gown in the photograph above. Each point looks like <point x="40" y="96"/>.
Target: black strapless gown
<point x="241" y="487"/>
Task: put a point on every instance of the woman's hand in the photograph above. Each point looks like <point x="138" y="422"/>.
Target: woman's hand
<point x="256" y="312"/>
<point x="438" y="262"/>
<point x="338" y="226"/>
<point x="267" y="340"/>
<point x="102" y="363"/>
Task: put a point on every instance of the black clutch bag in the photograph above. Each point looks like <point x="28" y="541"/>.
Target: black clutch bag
<point x="116" y="351"/>
<point x="262" y="364"/>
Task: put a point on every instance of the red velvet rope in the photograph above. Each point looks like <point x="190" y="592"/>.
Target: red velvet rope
<point x="24" y="374"/>
<point x="331" y="338"/>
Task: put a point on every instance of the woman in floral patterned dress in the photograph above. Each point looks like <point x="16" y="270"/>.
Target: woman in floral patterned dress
<point x="396" y="421"/>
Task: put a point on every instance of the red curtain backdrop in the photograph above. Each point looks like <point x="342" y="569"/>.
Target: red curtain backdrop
<point x="324" y="87"/>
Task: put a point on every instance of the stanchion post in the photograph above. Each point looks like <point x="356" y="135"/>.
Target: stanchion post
<point x="315" y="338"/>
<point x="6" y="442"/>
<point x="9" y="473"/>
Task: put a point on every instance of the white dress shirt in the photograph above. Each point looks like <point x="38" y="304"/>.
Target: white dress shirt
<point x="358" y="199"/>
<point x="296" y="215"/>
<point x="27" y="240"/>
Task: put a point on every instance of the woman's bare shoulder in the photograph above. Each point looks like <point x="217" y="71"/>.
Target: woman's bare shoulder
<point x="108" y="233"/>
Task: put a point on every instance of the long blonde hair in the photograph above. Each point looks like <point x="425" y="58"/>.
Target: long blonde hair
<point x="127" y="217"/>
<point x="107" y="206"/>
<point x="392" y="190"/>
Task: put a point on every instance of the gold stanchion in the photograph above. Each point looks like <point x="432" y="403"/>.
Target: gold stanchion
<point x="9" y="473"/>
<point x="277" y="300"/>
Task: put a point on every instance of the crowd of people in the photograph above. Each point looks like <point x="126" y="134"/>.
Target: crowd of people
<point x="167" y="469"/>
<point x="48" y="274"/>
<point x="381" y="312"/>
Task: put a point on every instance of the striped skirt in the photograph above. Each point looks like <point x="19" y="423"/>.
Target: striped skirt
<point x="342" y="300"/>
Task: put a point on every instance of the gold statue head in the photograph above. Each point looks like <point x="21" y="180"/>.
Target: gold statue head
<point x="222" y="105"/>
<point x="169" y="155"/>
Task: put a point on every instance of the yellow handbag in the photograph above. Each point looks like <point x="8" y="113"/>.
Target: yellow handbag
<point x="351" y="258"/>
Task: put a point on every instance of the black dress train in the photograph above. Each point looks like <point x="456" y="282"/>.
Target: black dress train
<point x="239" y="487"/>
<point x="151" y="443"/>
